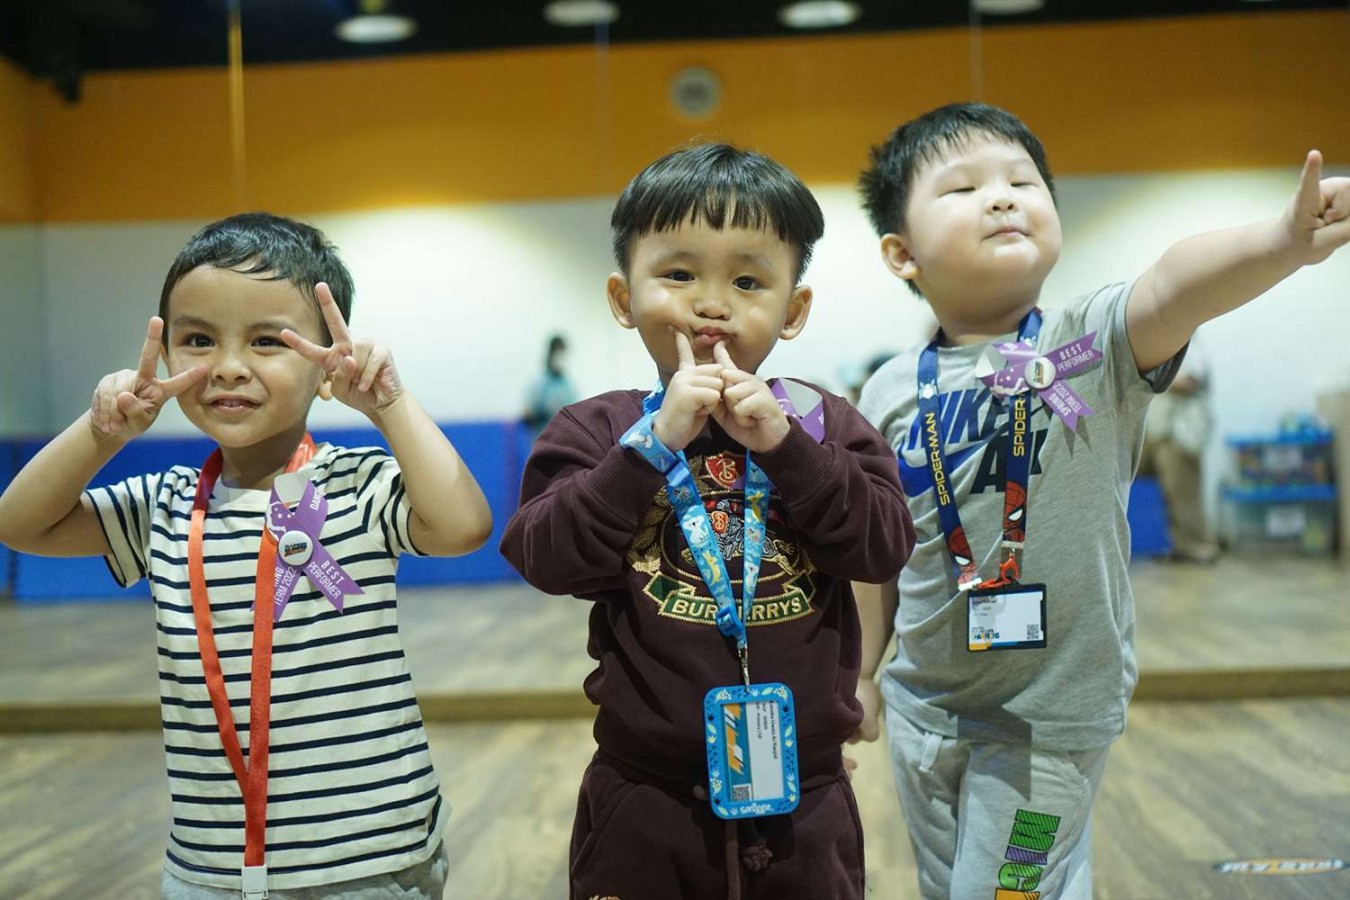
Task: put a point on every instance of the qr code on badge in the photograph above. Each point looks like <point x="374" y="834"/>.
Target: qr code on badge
<point x="741" y="792"/>
<point x="1033" y="632"/>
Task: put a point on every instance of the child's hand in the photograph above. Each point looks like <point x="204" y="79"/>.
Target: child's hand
<point x="126" y="403"/>
<point x="869" y="697"/>
<point x="749" y="411"/>
<point x="360" y="371"/>
<point x="1318" y="219"/>
<point x="694" y="392"/>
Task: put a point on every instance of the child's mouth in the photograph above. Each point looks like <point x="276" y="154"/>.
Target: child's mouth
<point x="232" y="404"/>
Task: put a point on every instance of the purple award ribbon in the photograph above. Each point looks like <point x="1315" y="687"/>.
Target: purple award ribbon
<point x="813" y="422"/>
<point x="298" y="550"/>
<point x="1027" y="369"/>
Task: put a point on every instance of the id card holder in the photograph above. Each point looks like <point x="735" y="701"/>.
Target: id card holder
<point x="254" y="886"/>
<point x="751" y="734"/>
<point x="1008" y="617"/>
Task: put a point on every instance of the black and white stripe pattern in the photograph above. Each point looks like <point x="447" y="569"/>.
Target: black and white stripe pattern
<point x="351" y="790"/>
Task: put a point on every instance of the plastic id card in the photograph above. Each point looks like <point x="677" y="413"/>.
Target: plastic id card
<point x="1009" y="617"/>
<point x="752" y="750"/>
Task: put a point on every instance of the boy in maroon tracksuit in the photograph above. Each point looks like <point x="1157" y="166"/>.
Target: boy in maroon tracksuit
<point x="711" y="242"/>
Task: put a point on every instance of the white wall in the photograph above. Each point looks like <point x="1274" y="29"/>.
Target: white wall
<point x="23" y="361"/>
<point x="467" y="296"/>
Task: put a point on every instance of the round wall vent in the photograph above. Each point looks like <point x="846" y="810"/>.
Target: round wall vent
<point x="696" y="92"/>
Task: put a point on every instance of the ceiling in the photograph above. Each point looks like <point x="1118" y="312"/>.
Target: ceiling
<point x="60" y="40"/>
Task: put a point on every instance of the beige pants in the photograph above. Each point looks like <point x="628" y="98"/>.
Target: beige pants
<point x="1178" y="473"/>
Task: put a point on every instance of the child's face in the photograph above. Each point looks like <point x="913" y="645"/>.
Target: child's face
<point x="734" y="286"/>
<point x="982" y="232"/>
<point x="256" y="388"/>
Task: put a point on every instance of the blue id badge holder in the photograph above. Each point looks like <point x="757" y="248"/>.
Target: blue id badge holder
<point x="752" y="750"/>
<point x="1007" y="617"/>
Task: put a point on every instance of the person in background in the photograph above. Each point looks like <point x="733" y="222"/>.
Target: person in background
<point x="1178" y="428"/>
<point x="552" y="390"/>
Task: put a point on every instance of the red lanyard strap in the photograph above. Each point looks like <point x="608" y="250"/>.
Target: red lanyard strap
<point x="252" y="778"/>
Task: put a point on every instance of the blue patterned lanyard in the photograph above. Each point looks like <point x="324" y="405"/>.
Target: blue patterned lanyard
<point x="1017" y="468"/>
<point x="698" y="533"/>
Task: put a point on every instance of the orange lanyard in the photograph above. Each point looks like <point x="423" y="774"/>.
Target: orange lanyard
<point x="252" y="778"/>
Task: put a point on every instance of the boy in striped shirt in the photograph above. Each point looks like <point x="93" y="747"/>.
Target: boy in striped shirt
<point x="298" y="763"/>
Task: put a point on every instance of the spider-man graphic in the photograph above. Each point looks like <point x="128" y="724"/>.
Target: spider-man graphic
<point x="1015" y="513"/>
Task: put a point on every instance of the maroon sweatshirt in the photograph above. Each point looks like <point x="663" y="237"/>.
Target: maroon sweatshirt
<point x="594" y="521"/>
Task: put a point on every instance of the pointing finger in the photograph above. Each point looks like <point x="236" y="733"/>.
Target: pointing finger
<point x="1309" y="197"/>
<point x="174" y="386"/>
<point x="337" y="326"/>
<point x="684" y="350"/>
<point x="722" y="355"/>
<point x="150" y="350"/>
<point x="305" y="347"/>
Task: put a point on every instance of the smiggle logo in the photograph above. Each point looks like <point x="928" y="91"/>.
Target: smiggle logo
<point x="1033" y="834"/>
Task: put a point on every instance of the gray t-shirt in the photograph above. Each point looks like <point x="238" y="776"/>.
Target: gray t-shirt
<point x="1071" y="695"/>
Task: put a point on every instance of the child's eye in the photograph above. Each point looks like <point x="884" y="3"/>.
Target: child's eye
<point x="196" y="340"/>
<point x="747" y="283"/>
<point x="269" y="341"/>
<point x="678" y="275"/>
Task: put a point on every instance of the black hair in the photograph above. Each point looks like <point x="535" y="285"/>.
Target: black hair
<point x="262" y="243"/>
<point x="886" y="183"/>
<point x="723" y="187"/>
<point x="556" y="344"/>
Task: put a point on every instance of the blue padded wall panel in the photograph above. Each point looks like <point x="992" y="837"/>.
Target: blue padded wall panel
<point x="1147" y="516"/>
<point x="494" y="451"/>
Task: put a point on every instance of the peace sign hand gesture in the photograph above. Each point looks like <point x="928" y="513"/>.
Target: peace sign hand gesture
<point x="360" y="372"/>
<point x="749" y="412"/>
<point x="1317" y="221"/>
<point x="126" y="403"/>
<point x="691" y="396"/>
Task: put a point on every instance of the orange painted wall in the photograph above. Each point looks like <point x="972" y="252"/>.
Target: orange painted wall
<point x="18" y="200"/>
<point x="1208" y="92"/>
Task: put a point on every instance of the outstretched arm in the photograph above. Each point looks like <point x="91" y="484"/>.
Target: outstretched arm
<point x="1205" y="276"/>
<point x="42" y="510"/>
<point x="449" y="514"/>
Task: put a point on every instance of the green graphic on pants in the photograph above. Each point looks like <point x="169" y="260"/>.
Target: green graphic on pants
<point x="1033" y="834"/>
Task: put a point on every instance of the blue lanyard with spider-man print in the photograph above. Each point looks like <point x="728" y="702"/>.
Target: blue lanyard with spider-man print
<point x="698" y="531"/>
<point x="1017" y="458"/>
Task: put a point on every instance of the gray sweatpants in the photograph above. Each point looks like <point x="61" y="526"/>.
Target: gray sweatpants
<point x="424" y="881"/>
<point x="984" y="816"/>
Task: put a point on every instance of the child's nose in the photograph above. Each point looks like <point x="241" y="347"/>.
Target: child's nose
<point x="711" y="303"/>
<point x="999" y="198"/>
<point x="229" y="366"/>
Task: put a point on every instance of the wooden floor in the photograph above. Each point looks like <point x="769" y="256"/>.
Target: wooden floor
<point x="1234" y="626"/>
<point x="1189" y="786"/>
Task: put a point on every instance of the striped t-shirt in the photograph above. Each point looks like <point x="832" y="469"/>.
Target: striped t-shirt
<point x="351" y="791"/>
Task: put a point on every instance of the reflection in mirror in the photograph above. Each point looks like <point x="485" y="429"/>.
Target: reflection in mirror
<point x="466" y="169"/>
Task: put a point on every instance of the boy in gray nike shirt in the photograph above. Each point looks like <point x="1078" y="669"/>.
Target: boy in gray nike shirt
<point x="1018" y="433"/>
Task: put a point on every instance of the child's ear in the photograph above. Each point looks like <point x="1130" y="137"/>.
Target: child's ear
<point x="798" y="309"/>
<point x="620" y="299"/>
<point x="895" y="253"/>
<point x="325" y="391"/>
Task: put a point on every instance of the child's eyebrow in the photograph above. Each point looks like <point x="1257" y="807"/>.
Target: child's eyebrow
<point x="666" y="254"/>
<point x="753" y="259"/>
<point x="272" y="325"/>
<point x="191" y="322"/>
